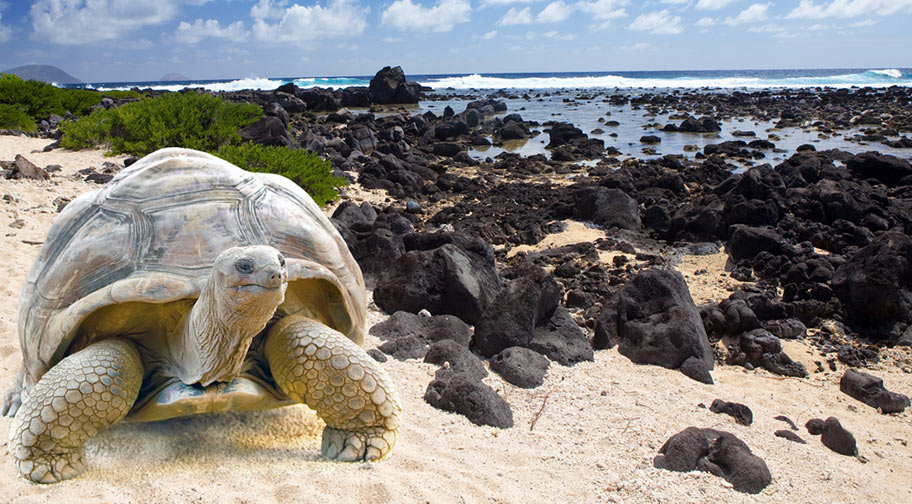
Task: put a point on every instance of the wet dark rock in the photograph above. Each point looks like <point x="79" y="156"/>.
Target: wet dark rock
<point x="607" y="207"/>
<point x="513" y="130"/>
<point x="887" y="169"/>
<point x="520" y="366"/>
<point x="650" y="139"/>
<point x="814" y="426"/>
<point x="703" y="125"/>
<point x="870" y="390"/>
<point x="466" y="395"/>
<point x="740" y="412"/>
<point x="389" y="86"/>
<point x="444" y="274"/>
<point x="716" y="452"/>
<point x="458" y="356"/>
<point x="654" y="320"/>
<point x="835" y="437"/>
<point x="791" y="436"/>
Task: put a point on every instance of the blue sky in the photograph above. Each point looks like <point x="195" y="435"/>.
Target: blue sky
<point x="128" y="40"/>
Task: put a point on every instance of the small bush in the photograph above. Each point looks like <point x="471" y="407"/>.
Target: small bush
<point x="195" y="121"/>
<point x="303" y="167"/>
<point x="39" y="100"/>
<point x="13" y="118"/>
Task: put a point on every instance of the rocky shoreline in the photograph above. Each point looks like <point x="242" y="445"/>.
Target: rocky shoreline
<point x="818" y="246"/>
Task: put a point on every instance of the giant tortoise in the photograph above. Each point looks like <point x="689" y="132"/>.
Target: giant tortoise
<point x="187" y="285"/>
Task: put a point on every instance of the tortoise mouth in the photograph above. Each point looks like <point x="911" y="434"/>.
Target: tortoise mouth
<point x="254" y="288"/>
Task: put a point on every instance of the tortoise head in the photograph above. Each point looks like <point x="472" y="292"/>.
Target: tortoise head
<point x="249" y="279"/>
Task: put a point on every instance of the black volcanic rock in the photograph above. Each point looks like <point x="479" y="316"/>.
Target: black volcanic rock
<point x="740" y="412"/>
<point x="870" y="390"/>
<point x="520" y="366"/>
<point x="389" y="86"/>
<point x="887" y="169"/>
<point x="466" y="395"/>
<point x="459" y="358"/>
<point x="654" y="320"/>
<point x="607" y="207"/>
<point x="716" y="452"/>
<point x="446" y="273"/>
<point x="835" y="437"/>
<point x="875" y="284"/>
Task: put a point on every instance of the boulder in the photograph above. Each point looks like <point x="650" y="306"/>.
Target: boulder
<point x="458" y="357"/>
<point x="423" y="330"/>
<point x="887" y="169"/>
<point x="389" y="86"/>
<point x="268" y="130"/>
<point x="870" y="390"/>
<point x="656" y="321"/>
<point x="716" y="452"/>
<point x="466" y="395"/>
<point x="835" y="437"/>
<point x="445" y="273"/>
<point x="356" y="96"/>
<point x="520" y="366"/>
<point x="746" y="242"/>
<point x="607" y="207"/>
<point x="875" y="284"/>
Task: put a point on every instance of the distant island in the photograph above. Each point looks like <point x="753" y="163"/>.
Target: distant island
<point x="45" y="73"/>
<point x="174" y="77"/>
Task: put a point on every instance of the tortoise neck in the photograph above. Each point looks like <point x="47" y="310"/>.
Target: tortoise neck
<point x="217" y="333"/>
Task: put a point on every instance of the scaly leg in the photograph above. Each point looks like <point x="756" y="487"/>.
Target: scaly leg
<point x="322" y="368"/>
<point x="82" y="394"/>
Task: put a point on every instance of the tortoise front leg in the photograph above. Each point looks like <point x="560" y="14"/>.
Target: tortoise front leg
<point x="84" y="393"/>
<point x="322" y="368"/>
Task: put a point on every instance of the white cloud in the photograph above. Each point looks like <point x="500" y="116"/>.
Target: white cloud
<point x="807" y="9"/>
<point x="707" y="21"/>
<point x="192" y="33"/>
<point x="753" y="14"/>
<point x="405" y="15"/>
<point x="488" y="36"/>
<point x="676" y="2"/>
<point x="605" y="10"/>
<point x="820" y="27"/>
<point x="71" y="22"/>
<point x="659" y="22"/>
<point x="267" y="9"/>
<point x="555" y="12"/>
<point x="516" y="17"/>
<point x="300" y="24"/>
<point x="488" y="3"/>
<point x="712" y="4"/>
<point x="638" y="46"/>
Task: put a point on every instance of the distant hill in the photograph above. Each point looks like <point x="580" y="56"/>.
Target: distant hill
<point x="174" y="77"/>
<point x="46" y="73"/>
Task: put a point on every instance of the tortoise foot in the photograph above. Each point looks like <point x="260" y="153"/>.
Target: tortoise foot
<point x="52" y="467"/>
<point x="321" y="367"/>
<point x="83" y="394"/>
<point x="350" y="446"/>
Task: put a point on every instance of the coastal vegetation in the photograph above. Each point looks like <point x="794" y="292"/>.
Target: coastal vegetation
<point x="24" y="103"/>
<point x="203" y="122"/>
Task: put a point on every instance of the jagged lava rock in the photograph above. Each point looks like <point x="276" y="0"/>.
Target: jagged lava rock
<point x="520" y="366"/>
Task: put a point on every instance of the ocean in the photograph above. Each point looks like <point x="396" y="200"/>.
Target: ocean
<point x="724" y="79"/>
<point x="549" y="91"/>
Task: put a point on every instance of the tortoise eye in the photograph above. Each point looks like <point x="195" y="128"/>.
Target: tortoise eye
<point x="281" y="260"/>
<point x="244" y="265"/>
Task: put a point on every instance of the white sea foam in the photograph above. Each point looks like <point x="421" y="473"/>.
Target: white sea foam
<point x="235" y="85"/>
<point x="889" y="72"/>
<point x="477" y="81"/>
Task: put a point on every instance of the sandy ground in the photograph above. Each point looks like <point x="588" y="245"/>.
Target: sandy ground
<point x="589" y="434"/>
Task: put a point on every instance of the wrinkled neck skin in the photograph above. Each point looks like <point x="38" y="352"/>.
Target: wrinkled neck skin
<point x="214" y="337"/>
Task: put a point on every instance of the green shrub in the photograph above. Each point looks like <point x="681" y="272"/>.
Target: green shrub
<point x="303" y="167"/>
<point x="13" y="118"/>
<point x="39" y="100"/>
<point x="195" y="121"/>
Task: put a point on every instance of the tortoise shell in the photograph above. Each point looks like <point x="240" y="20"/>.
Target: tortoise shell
<point x="152" y="234"/>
